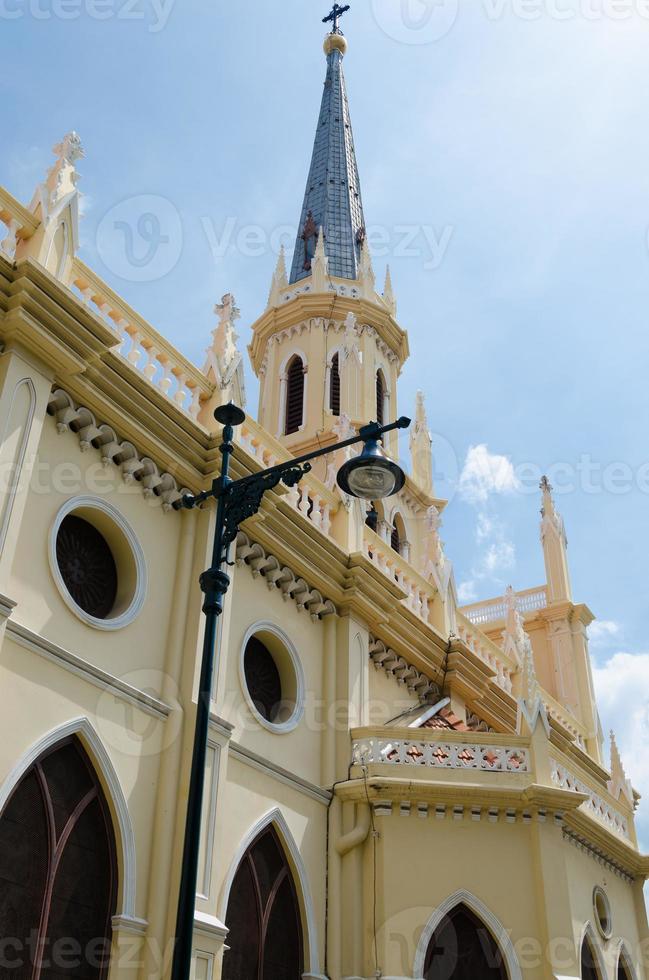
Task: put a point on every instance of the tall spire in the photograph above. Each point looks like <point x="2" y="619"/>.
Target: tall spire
<point x="332" y="201"/>
<point x="555" y="548"/>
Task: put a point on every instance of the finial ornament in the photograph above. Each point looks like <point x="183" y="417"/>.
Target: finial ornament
<point x="335" y="16"/>
<point x="545" y="485"/>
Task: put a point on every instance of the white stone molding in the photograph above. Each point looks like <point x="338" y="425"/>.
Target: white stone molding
<point x="624" y="954"/>
<point x="589" y="933"/>
<point x="384" y="658"/>
<point x="284" y="727"/>
<point x="133" y="467"/>
<point x="303" y="888"/>
<point x="7" y="607"/>
<point x="499" y="933"/>
<point x="303" y="786"/>
<point x="20" y="450"/>
<point x="281" y="577"/>
<point x="88" y="672"/>
<point x="87" y="502"/>
<point x="83" y="729"/>
<point x="210" y="926"/>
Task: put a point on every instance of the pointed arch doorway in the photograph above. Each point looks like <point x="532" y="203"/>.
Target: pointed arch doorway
<point x="58" y="870"/>
<point x="463" y="948"/>
<point x="263" y="916"/>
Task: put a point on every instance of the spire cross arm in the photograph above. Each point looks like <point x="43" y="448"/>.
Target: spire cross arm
<point x="335" y="16"/>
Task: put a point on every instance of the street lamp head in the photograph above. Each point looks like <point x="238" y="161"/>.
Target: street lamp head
<point x="229" y="414"/>
<point x="371" y="475"/>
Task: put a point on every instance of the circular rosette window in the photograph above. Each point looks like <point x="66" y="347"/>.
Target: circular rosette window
<point x="97" y="563"/>
<point x="272" y="678"/>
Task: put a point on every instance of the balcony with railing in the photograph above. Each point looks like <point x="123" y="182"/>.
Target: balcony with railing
<point x="492" y="611"/>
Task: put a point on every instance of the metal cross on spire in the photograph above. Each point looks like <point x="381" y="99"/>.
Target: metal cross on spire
<point x="335" y="16"/>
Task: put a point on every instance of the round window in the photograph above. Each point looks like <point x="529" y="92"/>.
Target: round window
<point x="262" y="679"/>
<point x="602" y="909"/>
<point x="97" y="563"/>
<point x="87" y="566"/>
<point x="272" y="679"/>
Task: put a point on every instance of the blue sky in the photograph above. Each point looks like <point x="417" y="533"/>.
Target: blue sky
<point x="503" y="151"/>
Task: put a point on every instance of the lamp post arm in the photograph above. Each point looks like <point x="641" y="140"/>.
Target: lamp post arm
<point x="371" y="432"/>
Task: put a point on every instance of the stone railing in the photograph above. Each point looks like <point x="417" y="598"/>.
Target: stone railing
<point x="497" y="754"/>
<point x="311" y="497"/>
<point x="488" y="652"/>
<point x="575" y="729"/>
<point x="18" y="221"/>
<point x="141" y="344"/>
<point x="596" y="805"/>
<point x="493" y="610"/>
<point x="419" y="592"/>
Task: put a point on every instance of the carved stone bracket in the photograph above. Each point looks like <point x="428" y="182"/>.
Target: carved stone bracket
<point x="278" y="576"/>
<point x="92" y="434"/>
<point x="395" y="666"/>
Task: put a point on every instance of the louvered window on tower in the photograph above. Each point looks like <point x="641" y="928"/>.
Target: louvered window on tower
<point x="380" y="397"/>
<point x="395" y="540"/>
<point x="334" y="386"/>
<point x="294" y="396"/>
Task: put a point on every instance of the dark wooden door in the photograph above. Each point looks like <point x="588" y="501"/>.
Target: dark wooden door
<point x="462" y="948"/>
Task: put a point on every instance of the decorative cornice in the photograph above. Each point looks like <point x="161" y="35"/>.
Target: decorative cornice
<point x="303" y="786"/>
<point x="395" y="666"/>
<point x="133" y="466"/>
<point x="281" y="577"/>
<point x="582" y="844"/>
<point x="89" y="672"/>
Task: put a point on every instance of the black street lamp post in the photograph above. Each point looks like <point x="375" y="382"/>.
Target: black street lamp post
<point x="370" y="476"/>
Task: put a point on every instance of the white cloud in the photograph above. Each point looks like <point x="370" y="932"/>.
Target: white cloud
<point x="466" y="592"/>
<point x="484" y="474"/>
<point x="622" y="688"/>
<point x="485" y="527"/>
<point x="499" y="557"/>
<point x="602" y="631"/>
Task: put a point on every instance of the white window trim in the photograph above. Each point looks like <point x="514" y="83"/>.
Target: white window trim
<point x="139" y="595"/>
<point x="266" y="626"/>
<point x="499" y="933"/>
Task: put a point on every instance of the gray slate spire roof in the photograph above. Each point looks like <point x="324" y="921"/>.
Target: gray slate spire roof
<point x="333" y="194"/>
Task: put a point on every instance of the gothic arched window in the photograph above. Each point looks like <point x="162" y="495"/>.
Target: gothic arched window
<point x="589" y="969"/>
<point x="462" y="948"/>
<point x="380" y="397"/>
<point x="624" y="971"/>
<point x="294" y="396"/>
<point x="58" y="873"/>
<point x="263" y="916"/>
<point x="334" y="386"/>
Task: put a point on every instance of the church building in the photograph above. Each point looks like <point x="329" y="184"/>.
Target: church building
<point x="397" y="785"/>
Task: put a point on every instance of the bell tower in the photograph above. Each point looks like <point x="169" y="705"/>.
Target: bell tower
<point x="328" y="350"/>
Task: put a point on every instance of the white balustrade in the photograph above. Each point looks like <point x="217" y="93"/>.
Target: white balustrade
<point x="488" y="652"/>
<point x="143" y="347"/>
<point x="495" y="609"/>
<point x="440" y="754"/>
<point x="596" y="805"/>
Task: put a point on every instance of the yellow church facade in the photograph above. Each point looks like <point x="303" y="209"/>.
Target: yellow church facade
<point x="397" y="786"/>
